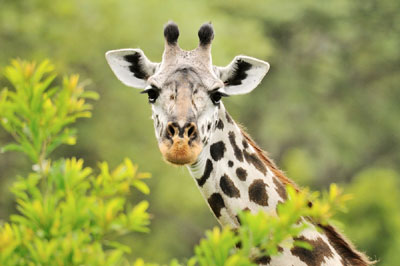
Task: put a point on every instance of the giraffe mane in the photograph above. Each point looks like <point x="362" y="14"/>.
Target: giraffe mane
<point x="344" y="246"/>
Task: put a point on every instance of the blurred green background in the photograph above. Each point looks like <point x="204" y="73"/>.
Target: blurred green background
<point x="328" y="110"/>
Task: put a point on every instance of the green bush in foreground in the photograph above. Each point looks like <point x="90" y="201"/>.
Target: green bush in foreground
<point x="69" y="214"/>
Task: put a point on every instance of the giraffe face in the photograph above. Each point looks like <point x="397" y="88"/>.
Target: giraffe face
<point x="183" y="110"/>
<point x="185" y="90"/>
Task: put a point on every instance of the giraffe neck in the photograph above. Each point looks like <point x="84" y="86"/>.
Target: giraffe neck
<point x="231" y="175"/>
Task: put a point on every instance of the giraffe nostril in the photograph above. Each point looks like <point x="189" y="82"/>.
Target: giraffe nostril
<point x="192" y="131"/>
<point x="171" y="130"/>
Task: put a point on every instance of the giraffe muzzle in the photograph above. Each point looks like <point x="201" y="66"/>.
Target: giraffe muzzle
<point x="181" y="145"/>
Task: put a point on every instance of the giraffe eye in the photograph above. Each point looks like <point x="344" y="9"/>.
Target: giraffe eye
<point x="152" y="93"/>
<point x="216" y="97"/>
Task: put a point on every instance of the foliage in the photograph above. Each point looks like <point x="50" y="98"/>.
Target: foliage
<point x="76" y="219"/>
<point x="36" y="114"/>
<point x="384" y="214"/>
<point x="261" y="234"/>
<point x="68" y="214"/>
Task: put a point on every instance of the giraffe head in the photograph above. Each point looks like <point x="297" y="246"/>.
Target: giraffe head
<point x="185" y="89"/>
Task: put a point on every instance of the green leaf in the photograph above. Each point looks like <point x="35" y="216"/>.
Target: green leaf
<point x="12" y="147"/>
<point x="118" y="245"/>
<point x="90" y="95"/>
<point x="141" y="186"/>
<point x="302" y="244"/>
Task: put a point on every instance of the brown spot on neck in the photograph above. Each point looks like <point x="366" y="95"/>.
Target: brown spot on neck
<point x="264" y="260"/>
<point x="258" y="192"/>
<point x="216" y="203"/>
<point x="253" y="159"/>
<point x="268" y="162"/>
<point x="217" y="150"/>
<point x="228" y="187"/>
<point x="207" y="172"/>
<point x="237" y="151"/>
<point x="317" y="255"/>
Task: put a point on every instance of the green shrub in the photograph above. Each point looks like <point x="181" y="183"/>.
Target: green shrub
<point x="69" y="214"/>
<point x="371" y="189"/>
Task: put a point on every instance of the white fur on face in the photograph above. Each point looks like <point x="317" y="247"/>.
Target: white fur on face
<point x="205" y="113"/>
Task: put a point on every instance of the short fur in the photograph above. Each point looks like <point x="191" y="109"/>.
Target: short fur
<point x="342" y="245"/>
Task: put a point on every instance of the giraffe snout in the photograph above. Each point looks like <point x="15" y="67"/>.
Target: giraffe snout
<point x="181" y="144"/>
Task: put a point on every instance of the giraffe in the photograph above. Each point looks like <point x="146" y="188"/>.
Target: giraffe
<point x="194" y="129"/>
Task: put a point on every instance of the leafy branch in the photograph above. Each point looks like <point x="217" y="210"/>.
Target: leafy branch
<point x="67" y="213"/>
<point x="37" y="114"/>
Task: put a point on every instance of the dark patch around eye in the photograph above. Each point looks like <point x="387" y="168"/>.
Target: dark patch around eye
<point x="239" y="73"/>
<point x="152" y="94"/>
<point x="135" y="66"/>
<point x="216" y="97"/>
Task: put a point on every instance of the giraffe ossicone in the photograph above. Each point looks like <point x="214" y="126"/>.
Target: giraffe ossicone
<point x="193" y="128"/>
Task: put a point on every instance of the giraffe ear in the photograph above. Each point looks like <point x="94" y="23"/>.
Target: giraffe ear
<point x="131" y="66"/>
<point x="242" y="75"/>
